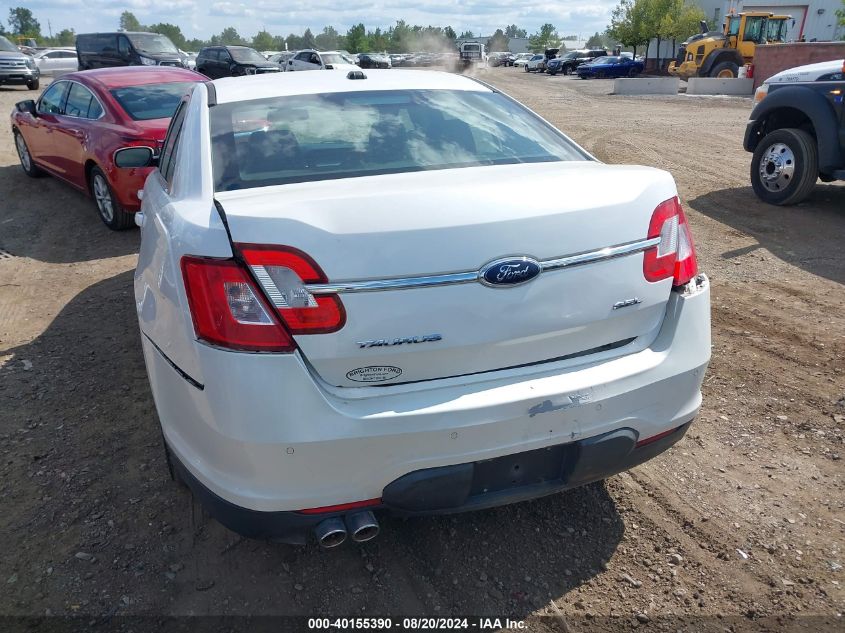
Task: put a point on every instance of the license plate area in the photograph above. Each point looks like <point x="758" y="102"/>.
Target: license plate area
<point x="539" y="466"/>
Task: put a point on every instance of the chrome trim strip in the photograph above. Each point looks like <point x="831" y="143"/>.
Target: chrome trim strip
<point x="451" y="279"/>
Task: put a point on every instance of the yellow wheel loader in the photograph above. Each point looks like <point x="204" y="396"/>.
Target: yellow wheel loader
<point x="722" y="53"/>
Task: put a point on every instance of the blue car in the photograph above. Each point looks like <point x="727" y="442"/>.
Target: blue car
<point x="610" y="67"/>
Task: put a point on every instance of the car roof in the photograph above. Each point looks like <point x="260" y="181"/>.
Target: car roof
<point x="233" y="89"/>
<point x="122" y="76"/>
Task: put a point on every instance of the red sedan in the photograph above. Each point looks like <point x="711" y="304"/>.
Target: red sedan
<point x="74" y="129"/>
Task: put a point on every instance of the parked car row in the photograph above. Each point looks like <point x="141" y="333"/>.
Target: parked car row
<point x="594" y="63"/>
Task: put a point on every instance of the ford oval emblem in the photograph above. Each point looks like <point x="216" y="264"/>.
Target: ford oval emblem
<point x="510" y="271"/>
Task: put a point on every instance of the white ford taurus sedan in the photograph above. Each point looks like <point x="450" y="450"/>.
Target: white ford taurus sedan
<point x="403" y="292"/>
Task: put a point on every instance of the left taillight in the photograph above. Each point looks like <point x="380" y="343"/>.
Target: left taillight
<point x="227" y="308"/>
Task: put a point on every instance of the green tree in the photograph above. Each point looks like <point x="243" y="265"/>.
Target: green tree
<point x="308" y="39"/>
<point x="377" y="40"/>
<point x="22" y="22"/>
<point x="263" y="41"/>
<point x="65" y="37"/>
<point x="194" y="45"/>
<point x="327" y="40"/>
<point x="840" y="13"/>
<point x="294" y="42"/>
<point x="595" y="41"/>
<point x="128" y="22"/>
<point x="512" y="31"/>
<point x="449" y="33"/>
<point x="356" y="39"/>
<point x="627" y="25"/>
<point x="546" y="37"/>
<point x="498" y="42"/>
<point x="173" y="32"/>
<point x="229" y="37"/>
<point x="466" y="35"/>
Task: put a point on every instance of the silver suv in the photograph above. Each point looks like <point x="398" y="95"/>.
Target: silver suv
<point x="17" y="69"/>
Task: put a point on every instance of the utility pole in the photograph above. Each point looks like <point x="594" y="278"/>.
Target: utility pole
<point x="50" y="29"/>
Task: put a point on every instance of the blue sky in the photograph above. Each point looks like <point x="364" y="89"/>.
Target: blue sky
<point x="202" y="18"/>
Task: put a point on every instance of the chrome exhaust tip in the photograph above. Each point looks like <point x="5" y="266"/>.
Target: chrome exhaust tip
<point x="330" y="533"/>
<point x="362" y="526"/>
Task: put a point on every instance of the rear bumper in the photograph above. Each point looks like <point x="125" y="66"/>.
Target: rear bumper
<point x="263" y="435"/>
<point x="457" y="488"/>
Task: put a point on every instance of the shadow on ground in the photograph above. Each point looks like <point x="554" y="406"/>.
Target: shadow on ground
<point x="50" y="221"/>
<point x="808" y="235"/>
<point x="85" y="472"/>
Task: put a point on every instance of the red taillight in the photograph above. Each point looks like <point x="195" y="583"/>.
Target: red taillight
<point x="283" y="273"/>
<point x="227" y="308"/>
<point x="674" y="255"/>
<point x="342" y="507"/>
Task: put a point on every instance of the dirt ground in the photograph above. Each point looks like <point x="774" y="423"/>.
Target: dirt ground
<point x="740" y="526"/>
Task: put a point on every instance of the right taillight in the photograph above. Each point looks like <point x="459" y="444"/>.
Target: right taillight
<point x="674" y="255"/>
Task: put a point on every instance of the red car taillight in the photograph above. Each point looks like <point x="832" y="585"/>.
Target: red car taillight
<point x="674" y="255"/>
<point x="230" y="310"/>
<point x="227" y="308"/>
<point x="283" y="272"/>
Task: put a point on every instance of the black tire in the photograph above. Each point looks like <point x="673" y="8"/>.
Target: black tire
<point x="526" y="68"/>
<point x="632" y="73"/>
<point x="775" y="154"/>
<point x="108" y="208"/>
<point x="723" y="69"/>
<point x="552" y="73"/>
<point x="27" y="164"/>
<point x="33" y="85"/>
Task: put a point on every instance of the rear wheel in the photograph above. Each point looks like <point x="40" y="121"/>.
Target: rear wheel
<point x="725" y="70"/>
<point x="785" y="167"/>
<point x="111" y="213"/>
<point x="27" y="164"/>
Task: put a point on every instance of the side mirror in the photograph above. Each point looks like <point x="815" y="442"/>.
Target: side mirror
<point x="27" y="106"/>
<point x="128" y="157"/>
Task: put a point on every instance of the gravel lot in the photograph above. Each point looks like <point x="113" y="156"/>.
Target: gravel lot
<point x="741" y="526"/>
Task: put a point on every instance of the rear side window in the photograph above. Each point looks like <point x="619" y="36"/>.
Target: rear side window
<point x="80" y="101"/>
<point x="97" y="43"/>
<point x="341" y="135"/>
<point x="167" y="164"/>
<point x="154" y="101"/>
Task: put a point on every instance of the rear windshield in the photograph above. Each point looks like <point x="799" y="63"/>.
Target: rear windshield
<point x="154" y="101"/>
<point x="152" y="43"/>
<point x="341" y="135"/>
<point x="247" y="56"/>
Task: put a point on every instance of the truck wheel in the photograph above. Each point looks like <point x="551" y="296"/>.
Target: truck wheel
<point x="785" y="167"/>
<point x="725" y="70"/>
<point x="33" y="85"/>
